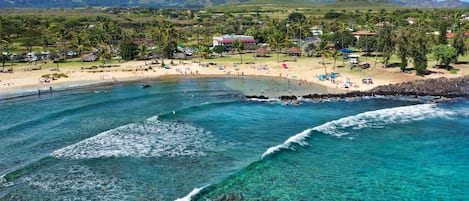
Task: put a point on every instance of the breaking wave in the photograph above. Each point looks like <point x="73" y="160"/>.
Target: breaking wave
<point x="371" y="119"/>
<point x="189" y="196"/>
<point x="152" y="138"/>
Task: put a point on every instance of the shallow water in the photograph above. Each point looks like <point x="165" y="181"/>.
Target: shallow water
<point x="160" y="143"/>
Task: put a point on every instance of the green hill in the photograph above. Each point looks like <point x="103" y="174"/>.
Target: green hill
<point x="209" y="3"/>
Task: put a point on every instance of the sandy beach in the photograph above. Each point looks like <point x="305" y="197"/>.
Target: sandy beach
<point x="24" y="80"/>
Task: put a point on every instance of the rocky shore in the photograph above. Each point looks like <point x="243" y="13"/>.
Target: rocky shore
<point x="443" y="88"/>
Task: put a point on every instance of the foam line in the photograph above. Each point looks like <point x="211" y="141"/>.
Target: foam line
<point x="67" y="182"/>
<point x="149" y="139"/>
<point x="371" y="119"/>
<point x="189" y="196"/>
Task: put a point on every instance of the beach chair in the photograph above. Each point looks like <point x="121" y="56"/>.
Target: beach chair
<point x="322" y="77"/>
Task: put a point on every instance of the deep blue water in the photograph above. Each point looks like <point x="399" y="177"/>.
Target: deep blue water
<point x="160" y="143"/>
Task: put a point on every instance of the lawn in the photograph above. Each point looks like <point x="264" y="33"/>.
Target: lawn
<point x="69" y="65"/>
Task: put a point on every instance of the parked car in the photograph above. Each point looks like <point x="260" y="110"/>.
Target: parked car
<point x="363" y="65"/>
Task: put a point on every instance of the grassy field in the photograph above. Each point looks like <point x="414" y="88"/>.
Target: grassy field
<point x="281" y="9"/>
<point x="67" y="65"/>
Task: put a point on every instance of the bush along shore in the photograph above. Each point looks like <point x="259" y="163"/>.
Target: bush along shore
<point x="443" y="89"/>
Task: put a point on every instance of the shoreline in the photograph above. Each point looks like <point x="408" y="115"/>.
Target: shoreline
<point x="25" y="83"/>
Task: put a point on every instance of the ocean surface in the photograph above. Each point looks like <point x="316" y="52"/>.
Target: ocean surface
<point x="199" y="139"/>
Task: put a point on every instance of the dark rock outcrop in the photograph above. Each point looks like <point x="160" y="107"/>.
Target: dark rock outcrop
<point x="257" y="97"/>
<point x="450" y="88"/>
<point x="439" y="87"/>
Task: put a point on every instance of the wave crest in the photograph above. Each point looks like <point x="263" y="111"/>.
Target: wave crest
<point x="189" y="196"/>
<point x="371" y="119"/>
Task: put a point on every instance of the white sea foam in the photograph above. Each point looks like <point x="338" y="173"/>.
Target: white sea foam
<point x="265" y="100"/>
<point x="371" y="119"/>
<point x="189" y="196"/>
<point x="380" y="118"/>
<point x="150" y="139"/>
<point x="67" y="182"/>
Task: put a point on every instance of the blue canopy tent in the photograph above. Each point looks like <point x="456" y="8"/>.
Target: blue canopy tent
<point x="345" y="50"/>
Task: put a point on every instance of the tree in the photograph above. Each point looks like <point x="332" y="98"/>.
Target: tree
<point x="402" y="41"/>
<point x="342" y="39"/>
<point x="204" y="52"/>
<point x="296" y="17"/>
<point x="61" y="33"/>
<point x="309" y="48"/>
<point x="128" y="50"/>
<point x="322" y="49"/>
<point x="165" y="34"/>
<point x="370" y="44"/>
<point x="239" y="47"/>
<point x="142" y="51"/>
<point x="442" y="27"/>
<point x="104" y="54"/>
<point x="367" y="18"/>
<point x="419" y="48"/>
<point x="385" y="42"/>
<point x="276" y="39"/>
<point x="334" y="54"/>
<point x="458" y="43"/>
<point x="445" y="54"/>
<point x="3" y="44"/>
<point x="219" y="49"/>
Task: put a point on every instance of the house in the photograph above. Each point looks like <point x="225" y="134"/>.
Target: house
<point x="359" y="34"/>
<point x="294" y="51"/>
<point x="262" y="52"/>
<point x="227" y="40"/>
<point x="411" y="20"/>
<point x="452" y="35"/>
<point x="464" y="17"/>
<point x="316" y="31"/>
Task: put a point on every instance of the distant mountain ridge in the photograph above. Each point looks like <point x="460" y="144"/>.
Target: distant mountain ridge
<point x="200" y="3"/>
<point x="431" y="3"/>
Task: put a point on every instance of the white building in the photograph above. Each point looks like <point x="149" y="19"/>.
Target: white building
<point x="316" y="31"/>
<point x="227" y="40"/>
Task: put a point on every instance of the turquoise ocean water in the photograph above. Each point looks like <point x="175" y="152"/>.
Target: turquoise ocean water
<point x="200" y="138"/>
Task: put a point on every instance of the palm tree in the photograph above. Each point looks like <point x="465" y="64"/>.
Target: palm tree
<point x="142" y="51"/>
<point x="104" y="54"/>
<point x="239" y="47"/>
<point x="322" y="49"/>
<point x="334" y="54"/>
<point x="3" y="44"/>
<point x="164" y="35"/>
<point x="61" y="33"/>
<point x="276" y="39"/>
<point x="367" y="18"/>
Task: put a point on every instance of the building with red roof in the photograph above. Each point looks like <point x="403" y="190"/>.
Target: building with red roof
<point x="227" y="40"/>
<point x="452" y="35"/>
